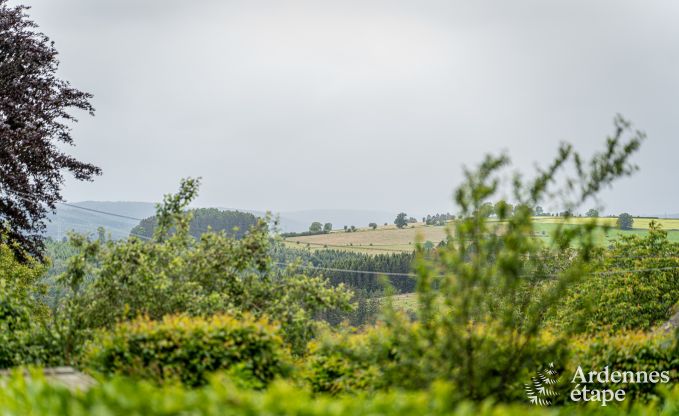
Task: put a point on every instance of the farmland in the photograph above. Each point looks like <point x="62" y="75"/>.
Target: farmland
<point x="391" y="239"/>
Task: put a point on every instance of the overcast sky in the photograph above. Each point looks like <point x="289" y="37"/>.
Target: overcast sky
<point x="287" y="105"/>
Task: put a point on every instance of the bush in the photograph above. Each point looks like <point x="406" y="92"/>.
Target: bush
<point x="635" y="288"/>
<point x="382" y="358"/>
<point x="180" y="348"/>
<point x="628" y="351"/>
<point x="126" y="397"/>
<point x="22" y="315"/>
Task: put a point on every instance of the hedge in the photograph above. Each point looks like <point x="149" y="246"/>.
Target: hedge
<point x="126" y="397"/>
<point x="187" y="349"/>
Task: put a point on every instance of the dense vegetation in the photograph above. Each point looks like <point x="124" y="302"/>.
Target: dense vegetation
<point x="354" y="270"/>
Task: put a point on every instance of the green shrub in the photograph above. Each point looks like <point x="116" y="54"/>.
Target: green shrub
<point x="22" y="315"/>
<point x="185" y="349"/>
<point x="635" y="288"/>
<point x="126" y="397"/>
<point x="382" y="357"/>
<point x="628" y="351"/>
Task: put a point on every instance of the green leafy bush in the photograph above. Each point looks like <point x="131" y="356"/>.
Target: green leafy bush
<point x="635" y="287"/>
<point x="22" y="315"/>
<point x="186" y="349"/>
<point x="628" y="351"/>
<point x="383" y="357"/>
<point x="125" y="397"/>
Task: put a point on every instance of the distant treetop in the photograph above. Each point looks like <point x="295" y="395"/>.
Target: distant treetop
<point x="233" y="223"/>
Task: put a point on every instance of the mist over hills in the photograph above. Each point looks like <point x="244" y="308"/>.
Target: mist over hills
<point x="87" y="220"/>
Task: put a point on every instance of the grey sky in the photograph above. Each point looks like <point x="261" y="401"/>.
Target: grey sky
<point x="361" y="104"/>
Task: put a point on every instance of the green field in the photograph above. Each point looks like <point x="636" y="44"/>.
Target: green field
<point x="392" y="239"/>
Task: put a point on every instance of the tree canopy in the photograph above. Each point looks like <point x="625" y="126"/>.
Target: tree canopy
<point x="233" y="223"/>
<point x="35" y="112"/>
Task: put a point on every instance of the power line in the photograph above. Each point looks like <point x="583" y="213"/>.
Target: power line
<point x="108" y="228"/>
<point x="100" y="212"/>
<point x="24" y="196"/>
<point x="349" y="247"/>
<point x="414" y="275"/>
<point x="331" y="269"/>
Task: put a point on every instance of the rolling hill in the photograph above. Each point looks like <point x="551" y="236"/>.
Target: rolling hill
<point x="83" y="218"/>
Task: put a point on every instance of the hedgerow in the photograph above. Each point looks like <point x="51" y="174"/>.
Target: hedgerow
<point x="121" y="396"/>
<point x="187" y="349"/>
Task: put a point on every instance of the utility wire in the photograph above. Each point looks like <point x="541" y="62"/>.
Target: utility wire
<point x="366" y="247"/>
<point x="331" y="269"/>
<point x="24" y="196"/>
<point x="100" y="212"/>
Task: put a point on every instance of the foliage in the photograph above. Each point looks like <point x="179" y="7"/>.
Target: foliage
<point x="592" y="213"/>
<point x="327" y="227"/>
<point x="35" y="105"/>
<point x="401" y="220"/>
<point x="336" y="262"/>
<point x="22" y="314"/>
<point x="628" y="351"/>
<point x="397" y="356"/>
<point x="438" y="219"/>
<point x="636" y="286"/>
<point x="316" y="227"/>
<point x="220" y="397"/>
<point x="625" y="221"/>
<point x="487" y="289"/>
<point x="185" y="349"/>
<point x="303" y="233"/>
<point x="175" y="273"/>
<point x="234" y="224"/>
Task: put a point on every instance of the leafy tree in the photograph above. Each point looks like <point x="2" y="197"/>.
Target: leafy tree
<point x="401" y="220"/>
<point x="438" y="219"/>
<point x="327" y="227"/>
<point x="486" y="209"/>
<point x="625" y="221"/>
<point x="316" y="227"/>
<point x="176" y="273"/>
<point x="373" y="225"/>
<point x="635" y="287"/>
<point x="483" y="299"/>
<point x="35" y="109"/>
<point x="592" y="213"/>
<point x="538" y="211"/>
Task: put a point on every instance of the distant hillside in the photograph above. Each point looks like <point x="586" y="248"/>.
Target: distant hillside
<point x="82" y="221"/>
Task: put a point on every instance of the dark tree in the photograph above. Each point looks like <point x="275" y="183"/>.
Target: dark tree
<point x="327" y="227"/>
<point x="592" y="213"/>
<point x="401" y="220"/>
<point x="35" y="110"/>
<point x="316" y="227"/>
<point x="625" y="221"/>
<point x="373" y="225"/>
